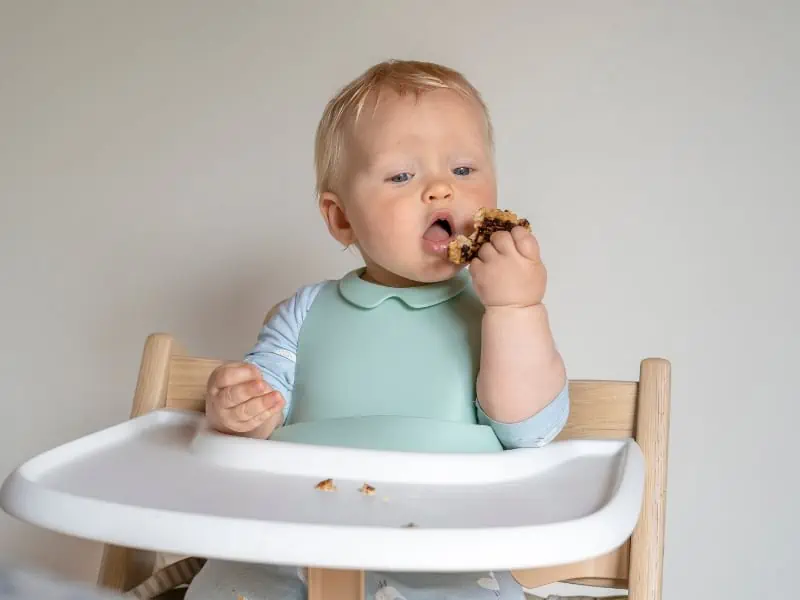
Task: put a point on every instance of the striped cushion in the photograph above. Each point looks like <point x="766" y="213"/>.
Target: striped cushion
<point x="168" y="578"/>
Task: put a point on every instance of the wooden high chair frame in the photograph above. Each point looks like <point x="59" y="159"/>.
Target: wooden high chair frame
<point x="168" y="377"/>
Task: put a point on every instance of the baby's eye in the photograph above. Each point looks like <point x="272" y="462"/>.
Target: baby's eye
<point x="400" y="178"/>
<point x="463" y="171"/>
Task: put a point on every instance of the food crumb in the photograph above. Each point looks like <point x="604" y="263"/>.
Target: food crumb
<point x="367" y="490"/>
<point x="409" y="525"/>
<point x="326" y="485"/>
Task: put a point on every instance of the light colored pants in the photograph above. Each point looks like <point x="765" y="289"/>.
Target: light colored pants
<point x="222" y="580"/>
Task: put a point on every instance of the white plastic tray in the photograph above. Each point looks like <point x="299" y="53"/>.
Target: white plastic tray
<point x="165" y="482"/>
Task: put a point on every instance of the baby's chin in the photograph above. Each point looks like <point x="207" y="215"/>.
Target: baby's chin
<point x="422" y="269"/>
<point x="432" y="272"/>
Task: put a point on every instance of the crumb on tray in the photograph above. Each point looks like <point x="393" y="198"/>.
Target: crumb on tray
<point x="326" y="485"/>
<point x="367" y="490"/>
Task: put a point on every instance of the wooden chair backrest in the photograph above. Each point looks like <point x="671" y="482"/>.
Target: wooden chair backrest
<point x="170" y="378"/>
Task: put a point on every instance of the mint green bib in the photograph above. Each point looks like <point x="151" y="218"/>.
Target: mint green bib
<point x="390" y="369"/>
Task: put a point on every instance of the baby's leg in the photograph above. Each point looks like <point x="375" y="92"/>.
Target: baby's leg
<point x="222" y="580"/>
<point x="435" y="586"/>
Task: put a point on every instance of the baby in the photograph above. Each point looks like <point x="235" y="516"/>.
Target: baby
<point x="411" y="352"/>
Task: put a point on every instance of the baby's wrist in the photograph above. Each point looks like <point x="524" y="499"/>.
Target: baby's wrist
<point x="531" y="322"/>
<point x="515" y="310"/>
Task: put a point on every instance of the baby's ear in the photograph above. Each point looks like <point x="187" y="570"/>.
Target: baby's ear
<point x="332" y="209"/>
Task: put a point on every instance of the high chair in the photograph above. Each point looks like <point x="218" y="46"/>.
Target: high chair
<point x="168" y="377"/>
<point x="600" y="410"/>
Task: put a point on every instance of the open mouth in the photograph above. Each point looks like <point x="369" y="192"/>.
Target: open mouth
<point x="441" y="228"/>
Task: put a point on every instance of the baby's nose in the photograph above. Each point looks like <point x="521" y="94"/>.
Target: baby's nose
<point x="438" y="191"/>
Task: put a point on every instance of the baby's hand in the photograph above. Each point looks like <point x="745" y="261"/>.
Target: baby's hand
<point x="238" y="400"/>
<point x="508" y="271"/>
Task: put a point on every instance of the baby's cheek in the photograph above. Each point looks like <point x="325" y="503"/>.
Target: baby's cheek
<point x="380" y="241"/>
<point x="390" y="224"/>
<point x="485" y="194"/>
<point x="367" y="225"/>
<point x="377" y="228"/>
<point x="387" y="229"/>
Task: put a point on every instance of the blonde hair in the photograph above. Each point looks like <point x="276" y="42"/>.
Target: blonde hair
<point x="344" y="109"/>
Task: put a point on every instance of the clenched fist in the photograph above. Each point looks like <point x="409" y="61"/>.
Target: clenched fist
<point x="508" y="271"/>
<point x="239" y="401"/>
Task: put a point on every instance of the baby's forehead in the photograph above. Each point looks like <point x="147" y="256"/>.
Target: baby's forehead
<point x="389" y="118"/>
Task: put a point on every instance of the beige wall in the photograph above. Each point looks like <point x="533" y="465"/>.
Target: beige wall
<point x="155" y="174"/>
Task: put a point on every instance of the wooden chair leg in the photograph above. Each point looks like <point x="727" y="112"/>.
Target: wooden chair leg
<point x="329" y="584"/>
<point x="124" y="568"/>
<point x="652" y="432"/>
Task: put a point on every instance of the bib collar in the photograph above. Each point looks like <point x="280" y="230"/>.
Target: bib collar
<point x="365" y="294"/>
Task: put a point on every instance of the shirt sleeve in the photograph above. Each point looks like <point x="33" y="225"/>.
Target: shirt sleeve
<point x="275" y="351"/>
<point x="535" y="431"/>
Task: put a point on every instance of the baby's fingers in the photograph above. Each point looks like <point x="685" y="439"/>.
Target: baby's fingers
<point x="488" y="252"/>
<point x="251" y="414"/>
<point x="232" y="374"/>
<point x="235" y="395"/>
<point x="504" y="242"/>
<point x="526" y="243"/>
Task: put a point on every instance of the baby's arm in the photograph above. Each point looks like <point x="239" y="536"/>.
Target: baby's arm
<point x="275" y="352"/>
<point x="252" y="398"/>
<point x="522" y="382"/>
<point x="522" y="387"/>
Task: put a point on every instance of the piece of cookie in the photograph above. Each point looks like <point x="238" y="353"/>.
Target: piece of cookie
<point x="486" y="221"/>
<point x="367" y="490"/>
<point x="326" y="485"/>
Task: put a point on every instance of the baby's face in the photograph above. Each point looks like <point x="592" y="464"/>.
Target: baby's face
<point x="418" y="169"/>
